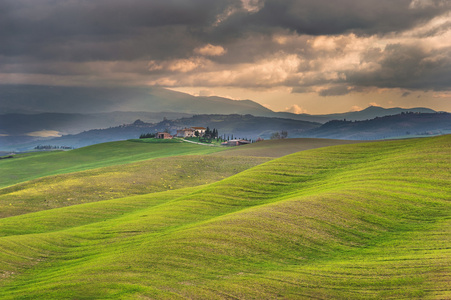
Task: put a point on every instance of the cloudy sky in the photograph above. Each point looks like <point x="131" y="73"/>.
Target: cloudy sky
<point x="315" y="56"/>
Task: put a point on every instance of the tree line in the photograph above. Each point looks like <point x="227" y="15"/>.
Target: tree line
<point x="147" y="136"/>
<point x="52" y="147"/>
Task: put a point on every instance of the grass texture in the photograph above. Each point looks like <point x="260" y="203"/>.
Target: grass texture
<point x="282" y="147"/>
<point x="29" y="166"/>
<point x="363" y="221"/>
<point x="144" y="177"/>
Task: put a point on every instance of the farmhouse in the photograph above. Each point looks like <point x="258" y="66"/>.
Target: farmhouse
<point x="163" y="135"/>
<point x="186" y="132"/>
<point x="201" y="130"/>
<point x="191" y="132"/>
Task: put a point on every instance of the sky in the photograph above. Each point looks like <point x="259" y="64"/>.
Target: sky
<point x="302" y="56"/>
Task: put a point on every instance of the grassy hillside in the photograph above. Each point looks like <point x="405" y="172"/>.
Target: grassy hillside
<point x="282" y="147"/>
<point x="39" y="164"/>
<point x="35" y="165"/>
<point x="127" y="179"/>
<point x="363" y="221"/>
<point x="144" y="177"/>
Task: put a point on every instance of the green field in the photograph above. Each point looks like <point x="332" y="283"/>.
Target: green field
<point x="281" y="147"/>
<point x="144" y="177"/>
<point x="38" y="164"/>
<point x="361" y="221"/>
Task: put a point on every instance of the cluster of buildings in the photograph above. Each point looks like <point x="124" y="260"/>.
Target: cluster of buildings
<point x="191" y="132"/>
<point x="183" y="133"/>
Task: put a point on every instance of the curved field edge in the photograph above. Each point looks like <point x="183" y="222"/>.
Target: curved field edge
<point x="30" y="166"/>
<point x="144" y="177"/>
<point x="364" y="221"/>
<point x="35" y="165"/>
<point x="281" y="147"/>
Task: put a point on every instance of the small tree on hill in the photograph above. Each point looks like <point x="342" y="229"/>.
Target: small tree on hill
<point x="279" y="135"/>
<point x="275" y="136"/>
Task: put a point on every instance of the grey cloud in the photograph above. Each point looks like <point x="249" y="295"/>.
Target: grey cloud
<point x="103" y="29"/>
<point x="317" y="17"/>
<point x="406" y="66"/>
<point x="301" y="90"/>
<point x="76" y="37"/>
<point x="334" y="91"/>
<point x="114" y="29"/>
<point x="437" y="30"/>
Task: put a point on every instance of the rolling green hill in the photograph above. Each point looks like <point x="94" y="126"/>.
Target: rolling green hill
<point x="144" y="177"/>
<point x="362" y="221"/>
<point x="118" y="179"/>
<point x="38" y="164"/>
<point x="282" y="147"/>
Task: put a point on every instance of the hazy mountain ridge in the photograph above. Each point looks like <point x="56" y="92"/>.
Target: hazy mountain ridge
<point x="33" y="99"/>
<point x="248" y="126"/>
<point x="61" y="99"/>
<point x="368" y="113"/>
<point x="19" y="124"/>
<point x="400" y="125"/>
<point x="29" y="108"/>
<point x="243" y="126"/>
<point x="16" y="124"/>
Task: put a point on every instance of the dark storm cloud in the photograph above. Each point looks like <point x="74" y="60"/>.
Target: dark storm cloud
<point x="335" y="91"/>
<point x="103" y="29"/>
<point x="318" y="17"/>
<point x="113" y="29"/>
<point x="405" y="66"/>
<point x="120" y="42"/>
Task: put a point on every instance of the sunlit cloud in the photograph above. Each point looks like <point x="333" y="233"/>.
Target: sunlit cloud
<point x="296" y="109"/>
<point x="177" y="65"/>
<point x="252" y="5"/>
<point x="210" y="50"/>
<point x="44" y="133"/>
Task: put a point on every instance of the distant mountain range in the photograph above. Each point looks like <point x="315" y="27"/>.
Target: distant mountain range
<point x="368" y="113"/>
<point x="20" y="124"/>
<point x="15" y="124"/>
<point x="243" y="126"/>
<point x="248" y="126"/>
<point x="31" y="114"/>
<point x="32" y="99"/>
<point x="395" y="126"/>
<point x="89" y="100"/>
